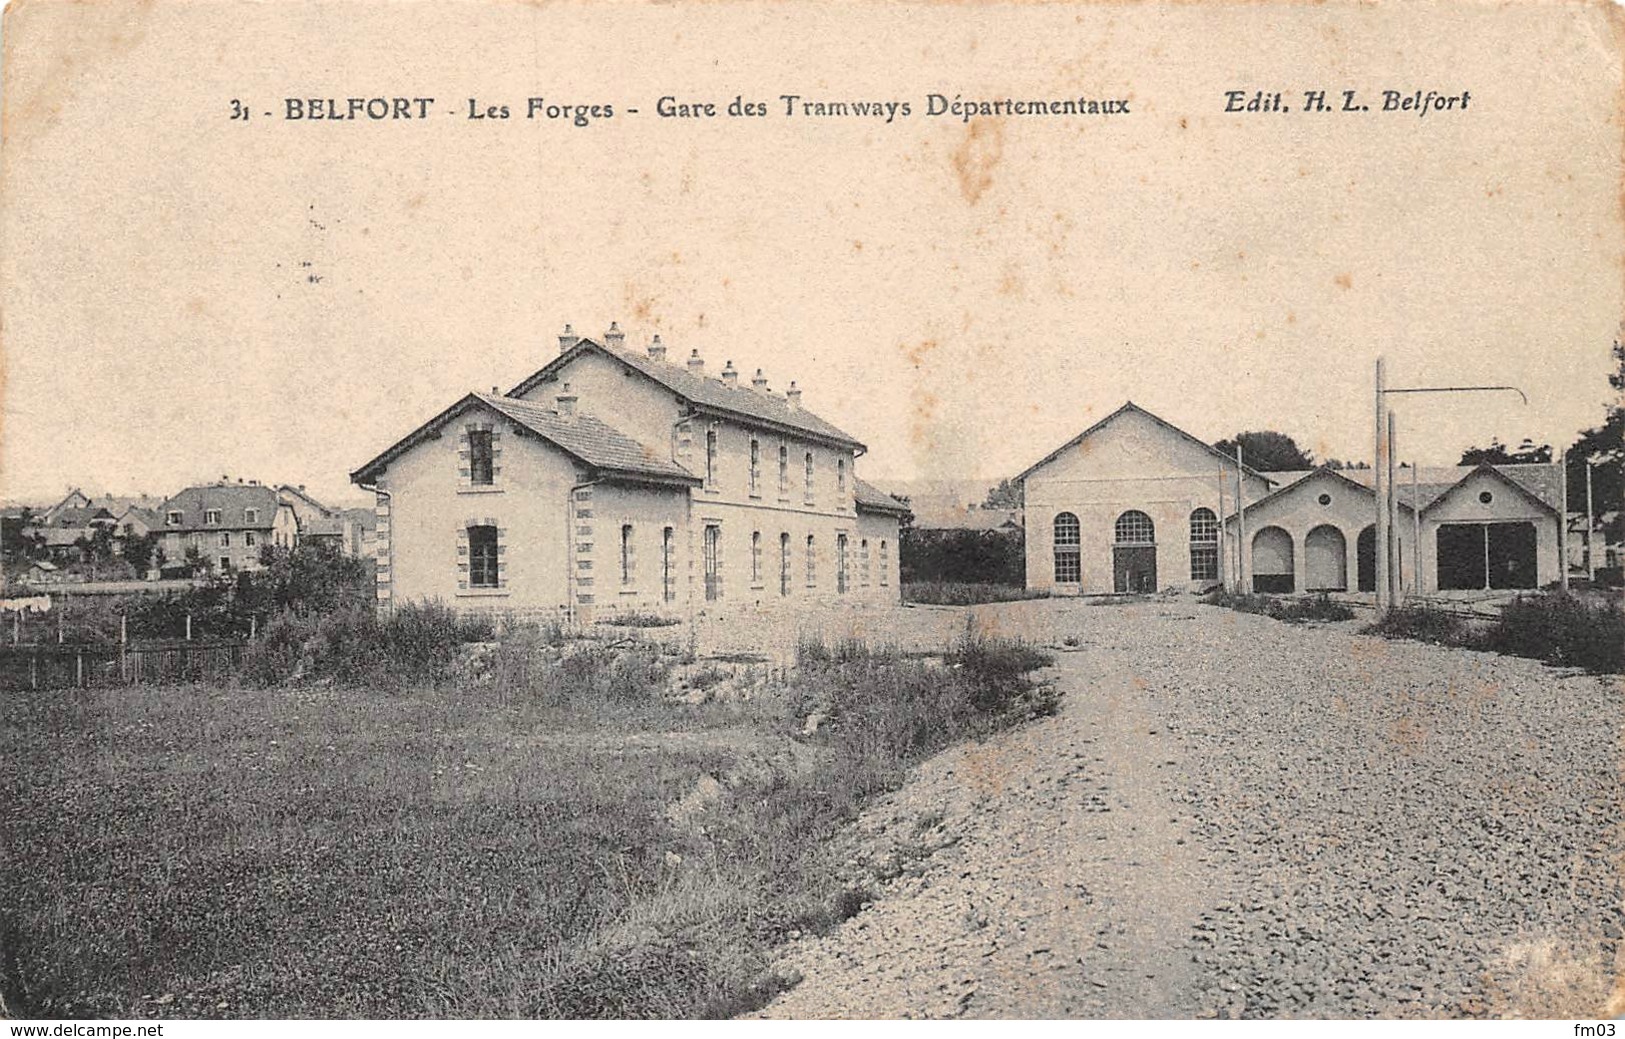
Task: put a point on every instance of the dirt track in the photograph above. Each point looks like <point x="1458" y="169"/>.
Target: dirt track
<point x="1235" y="817"/>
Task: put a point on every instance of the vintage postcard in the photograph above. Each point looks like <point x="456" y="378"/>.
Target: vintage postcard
<point x="800" y="510"/>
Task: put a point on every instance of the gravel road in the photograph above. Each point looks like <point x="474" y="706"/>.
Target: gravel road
<point x="1235" y="817"/>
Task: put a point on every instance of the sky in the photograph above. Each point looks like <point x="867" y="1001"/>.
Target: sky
<point x="185" y="295"/>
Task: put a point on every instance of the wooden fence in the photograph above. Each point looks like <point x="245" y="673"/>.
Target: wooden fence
<point x="59" y="666"/>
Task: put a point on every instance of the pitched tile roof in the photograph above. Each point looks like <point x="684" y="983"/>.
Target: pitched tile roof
<point x="868" y="496"/>
<point x="1538" y="480"/>
<point x="705" y="392"/>
<point x="587" y="439"/>
<point x="590" y="439"/>
<point x="230" y="498"/>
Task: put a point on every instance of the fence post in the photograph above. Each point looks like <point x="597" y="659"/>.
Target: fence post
<point x="189" y="625"/>
<point x="123" y="640"/>
<point x="79" y="668"/>
<point x="253" y="626"/>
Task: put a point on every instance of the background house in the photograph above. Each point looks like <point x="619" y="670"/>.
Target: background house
<point x="226" y="523"/>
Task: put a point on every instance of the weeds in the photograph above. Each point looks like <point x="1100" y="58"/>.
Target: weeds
<point x="962" y="593"/>
<point x="1294" y="611"/>
<point x="1561" y="630"/>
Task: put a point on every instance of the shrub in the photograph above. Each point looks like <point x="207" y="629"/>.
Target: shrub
<point x="1421" y="623"/>
<point x="640" y="619"/>
<point x="956" y="593"/>
<point x="1564" y="630"/>
<point x="1293" y="611"/>
<point x="353" y="644"/>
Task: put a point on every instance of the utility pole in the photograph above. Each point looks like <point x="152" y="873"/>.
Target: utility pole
<point x="1241" y="526"/>
<point x="1386" y="516"/>
<point x="1380" y="476"/>
<point x="1591" y="528"/>
<point x="1416" y="526"/>
<point x="1563" y="520"/>
<point x="1396" y="561"/>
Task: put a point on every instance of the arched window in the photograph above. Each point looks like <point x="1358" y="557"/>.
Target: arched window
<point x="1068" y="567"/>
<point x="1204" y="545"/>
<point x="1135" y="528"/>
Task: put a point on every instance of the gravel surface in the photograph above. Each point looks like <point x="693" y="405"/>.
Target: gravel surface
<point x="1235" y="817"/>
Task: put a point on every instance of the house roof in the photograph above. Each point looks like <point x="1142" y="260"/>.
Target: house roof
<point x="1130" y="406"/>
<point x="80" y="517"/>
<point x="871" y="498"/>
<point x="230" y="498"/>
<point x="1540" y="480"/>
<point x="1536" y="481"/>
<point x="293" y="491"/>
<point x="151" y="517"/>
<point x="583" y="437"/>
<point x="703" y="391"/>
<point x="1301" y="476"/>
<point x="118" y="504"/>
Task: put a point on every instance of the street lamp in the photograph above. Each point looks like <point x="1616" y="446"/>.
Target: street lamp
<point x="1387" y="576"/>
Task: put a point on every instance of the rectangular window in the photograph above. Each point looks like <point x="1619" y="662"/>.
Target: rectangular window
<point x="668" y="574"/>
<point x="784" y="564"/>
<point x="248" y="538"/>
<point x="1204" y="562"/>
<point x="809" y="476"/>
<point x="225" y="562"/>
<point x="840" y="476"/>
<point x="712" y="548"/>
<point x="755" y="557"/>
<point x="251" y="516"/>
<point x="626" y="553"/>
<point x="481" y="462"/>
<point x="784" y="470"/>
<point x="863" y="562"/>
<point x="755" y="466"/>
<point x="840" y="564"/>
<point x="482" y="557"/>
<point x="812" y="560"/>
<point x="1068" y="566"/>
<point x="885" y="567"/>
<point x="711" y="458"/>
<point x="211" y="517"/>
<point x="225" y="539"/>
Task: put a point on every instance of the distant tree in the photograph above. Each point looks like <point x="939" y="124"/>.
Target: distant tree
<point x="139" y="551"/>
<point x="1007" y="495"/>
<point x="906" y="520"/>
<point x="1267" y="451"/>
<point x="1604" y="446"/>
<point x="197" y="564"/>
<point x="1500" y="454"/>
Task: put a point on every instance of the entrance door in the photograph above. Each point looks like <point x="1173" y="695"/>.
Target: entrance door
<point x="1365" y="559"/>
<point x="1134" y="568"/>
<point x="1460" y="548"/>
<point x="713" y="572"/>
<point x="1511" y="553"/>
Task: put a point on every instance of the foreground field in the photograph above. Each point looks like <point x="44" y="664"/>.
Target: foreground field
<point x="1235" y="817"/>
<point x="560" y="838"/>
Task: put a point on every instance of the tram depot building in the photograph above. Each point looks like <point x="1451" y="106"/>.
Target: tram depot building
<point x="1135" y="504"/>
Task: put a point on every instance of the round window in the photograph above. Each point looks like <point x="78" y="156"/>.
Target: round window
<point x="1486" y="497"/>
<point x="1325" y="499"/>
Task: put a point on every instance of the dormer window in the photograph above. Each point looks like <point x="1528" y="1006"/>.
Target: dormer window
<point x="172" y="519"/>
<point x="251" y="516"/>
<point x="211" y="517"/>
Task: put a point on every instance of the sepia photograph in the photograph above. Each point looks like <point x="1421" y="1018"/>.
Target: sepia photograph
<point x="766" y="509"/>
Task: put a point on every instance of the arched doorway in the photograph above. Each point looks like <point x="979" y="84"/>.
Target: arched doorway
<point x="1272" y="561"/>
<point x="1365" y="558"/>
<point x="1325" y="559"/>
<point x="1134" y="553"/>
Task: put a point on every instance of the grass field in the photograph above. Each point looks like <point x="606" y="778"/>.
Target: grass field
<point x="506" y="848"/>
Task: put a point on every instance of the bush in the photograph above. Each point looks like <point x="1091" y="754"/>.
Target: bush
<point x="1422" y="624"/>
<point x="957" y="555"/>
<point x="413" y="643"/>
<point x="1564" y="630"/>
<point x="952" y="593"/>
<point x="640" y="619"/>
<point x="1293" y="611"/>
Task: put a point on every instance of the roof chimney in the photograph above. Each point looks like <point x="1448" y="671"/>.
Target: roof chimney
<point x="792" y="396"/>
<point x="657" y="349"/>
<point x="729" y="374"/>
<point x="759" y="382"/>
<point x="568" y="339"/>
<point x="696" y="363"/>
<point x="615" y="339"/>
<point x="566" y="401"/>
